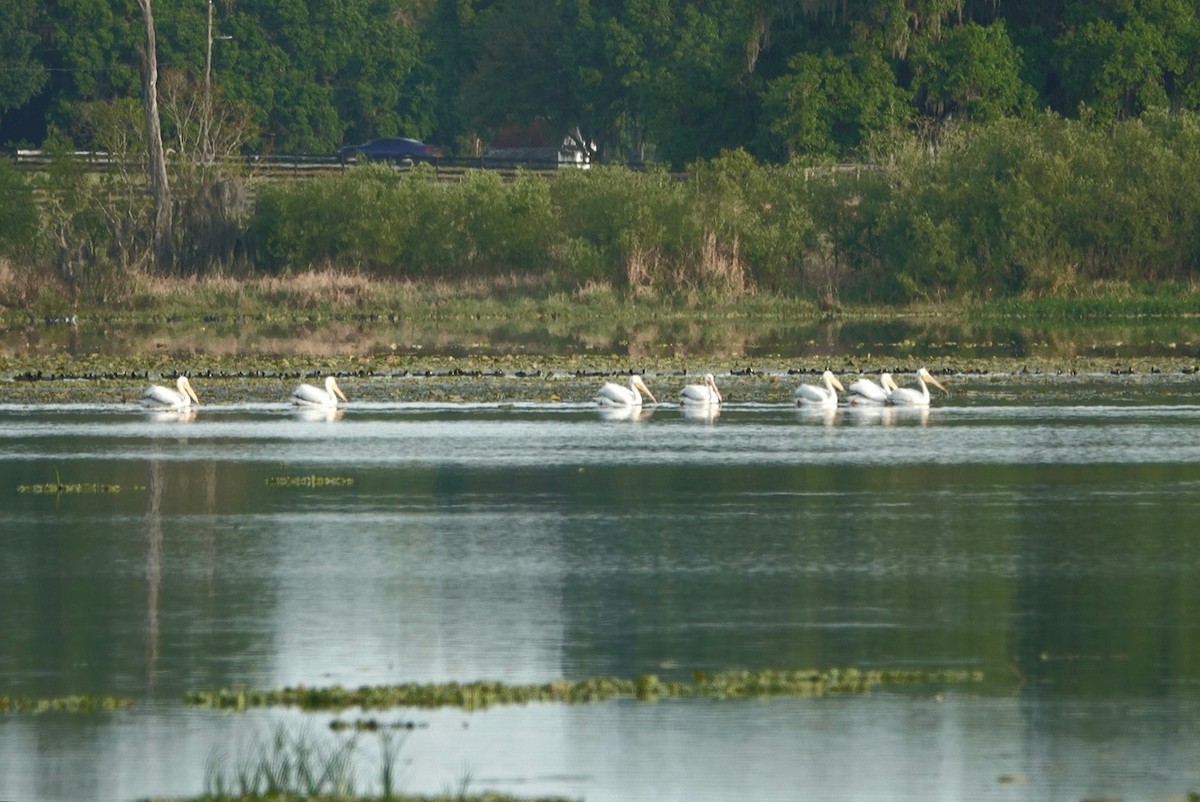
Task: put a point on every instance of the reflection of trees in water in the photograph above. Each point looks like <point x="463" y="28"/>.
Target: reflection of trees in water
<point x="152" y="527"/>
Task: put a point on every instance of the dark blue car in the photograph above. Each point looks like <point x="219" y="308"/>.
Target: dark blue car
<point x="397" y="149"/>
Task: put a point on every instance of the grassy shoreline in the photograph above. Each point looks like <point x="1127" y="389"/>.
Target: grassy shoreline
<point x="352" y="325"/>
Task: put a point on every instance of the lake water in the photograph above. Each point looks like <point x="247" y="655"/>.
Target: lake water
<point x="1051" y="544"/>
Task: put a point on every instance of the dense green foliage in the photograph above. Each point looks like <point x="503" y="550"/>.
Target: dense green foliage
<point x="673" y="81"/>
<point x="1006" y="148"/>
<point x="1030" y="207"/>
<point x="1002" y="208"/>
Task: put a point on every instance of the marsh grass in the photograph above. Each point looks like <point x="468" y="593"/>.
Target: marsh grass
<point x="290" y="763"/>
<point x="1100" y="302"/>
<point x="287" y="327"/>
<point x="285" y="762"/>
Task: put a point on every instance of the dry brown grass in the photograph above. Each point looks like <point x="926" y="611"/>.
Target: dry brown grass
<point x="19" y="286"/>
<point x="721" y="267"/>
<point x="340" y="288"/>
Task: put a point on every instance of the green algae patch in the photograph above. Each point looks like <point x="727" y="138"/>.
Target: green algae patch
<point x="647" y="688"/>
<point x="59" y="488"/>
<point x="64" y="704"/>
<point x="309" y="481"/>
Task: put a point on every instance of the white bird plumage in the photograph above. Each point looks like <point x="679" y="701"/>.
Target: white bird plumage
<point x="866" y="392"/>
<point x="908" y="397"/>
<point x="820" y="396"/>
<point x="611" y="394"/>
<point x="165" y="398"/>
<point x="308" y="395"/>
<point x="705" y="394"/>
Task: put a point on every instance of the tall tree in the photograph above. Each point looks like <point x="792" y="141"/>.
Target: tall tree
<point x="970" y="70"/>
<point x="825" y="106"/>
<point x="1123" y="57"/>
<point x="160" y="189"/>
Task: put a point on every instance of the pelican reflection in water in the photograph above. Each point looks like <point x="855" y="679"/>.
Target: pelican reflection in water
<point x="167" y="415"/>
<point x="827" y="414"/>
<point x="318" y="414"/>
<point x="634" y="414"/>
<point x="870" y="414"/>
<point x="706" y="413"/>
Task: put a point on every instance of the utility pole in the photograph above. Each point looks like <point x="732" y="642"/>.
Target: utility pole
<point x="160" y="189"/>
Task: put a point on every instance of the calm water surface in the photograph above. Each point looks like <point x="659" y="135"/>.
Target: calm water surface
<point x="1051" y="546"/>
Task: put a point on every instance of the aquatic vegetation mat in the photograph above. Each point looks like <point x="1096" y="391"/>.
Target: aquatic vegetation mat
<point x="309" y="481"/>
<point x="56" y="488"/>
<point x="63" y="704"/>
<point x="649" y="687"/>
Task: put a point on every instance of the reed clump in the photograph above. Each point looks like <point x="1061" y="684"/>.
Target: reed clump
<point x="296" y="763"/>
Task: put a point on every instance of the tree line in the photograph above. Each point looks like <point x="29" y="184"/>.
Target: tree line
<point x="645" y="80"/>
<point x="1010" y="208"/>
<point x="1007" y="149"/>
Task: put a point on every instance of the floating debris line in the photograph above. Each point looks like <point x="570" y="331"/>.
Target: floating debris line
<point x="484" y="694"/>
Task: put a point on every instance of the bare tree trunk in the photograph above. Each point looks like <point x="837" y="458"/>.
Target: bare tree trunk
<point x="159" y="188"/>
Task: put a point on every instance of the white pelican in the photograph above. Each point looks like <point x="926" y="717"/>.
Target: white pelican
<point x="308" y="395"/>
<point x="614" y="395"/>
<point x="908" y="397"/>
<point x="165" y="398"/>
<point x="867" y="392"/>
<point x="818" y="396"/>
<point x="705" y="394"/>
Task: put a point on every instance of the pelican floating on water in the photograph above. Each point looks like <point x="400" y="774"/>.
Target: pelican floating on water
<point x="705" y="394"/>
<point x="817" y="396"/>
<point x="866" y="392"/>
<point x="908" y="397"/>
<point x="308" y="395"/>
<point x="616" y="395"/>
<point x="165" y="398"/>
